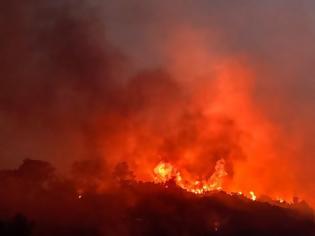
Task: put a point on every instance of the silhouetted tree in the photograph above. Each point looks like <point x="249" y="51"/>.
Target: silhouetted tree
<point x="36" y="170"/>
<point x="122" y="173"/>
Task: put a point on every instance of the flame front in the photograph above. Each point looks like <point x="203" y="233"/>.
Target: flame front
<point x="165" y="171"/>
<point x="205" y="140"/>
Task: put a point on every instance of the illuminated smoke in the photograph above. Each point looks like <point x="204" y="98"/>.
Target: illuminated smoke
<point x="68" y="94"/>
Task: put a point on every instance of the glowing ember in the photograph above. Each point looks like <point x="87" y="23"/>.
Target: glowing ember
<point x="216" y="226"/>
<point x="280" y="200"/>
<point x="252" y="195"/>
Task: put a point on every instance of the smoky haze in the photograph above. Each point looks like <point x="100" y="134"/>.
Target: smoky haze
<point x="189" y="82"/>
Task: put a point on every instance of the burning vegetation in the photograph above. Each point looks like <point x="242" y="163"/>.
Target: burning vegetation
<point x="53" y="205"/>
<point x="165" y="172"/>
<point x="182" y="148"/>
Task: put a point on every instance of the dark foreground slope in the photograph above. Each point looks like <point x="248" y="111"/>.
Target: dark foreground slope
<point x="174" y="213"/>
<point x="33" y="202"/>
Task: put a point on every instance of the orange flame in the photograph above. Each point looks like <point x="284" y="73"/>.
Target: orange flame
<point x="163" y="172"/>
<point x="252" y="196"/>
<point x="166" y="171"/>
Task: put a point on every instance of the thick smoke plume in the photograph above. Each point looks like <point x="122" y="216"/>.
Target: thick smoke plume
<point x="70" y="92"/>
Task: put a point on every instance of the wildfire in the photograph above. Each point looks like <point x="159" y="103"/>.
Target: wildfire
<point x="252" y="195"/>
<point x="165" y="171"/>
<point x="281" y="200"/>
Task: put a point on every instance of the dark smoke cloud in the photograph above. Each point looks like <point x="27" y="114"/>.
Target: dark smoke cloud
<point x="66" y="97"/>
<point x="70" y="87"/>
<point x="277" y="37"/>
<point x="57" y="71"/>
<point x="107" y="89"/>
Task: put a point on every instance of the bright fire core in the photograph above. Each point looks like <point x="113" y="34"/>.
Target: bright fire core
<point x="165" y="171"/>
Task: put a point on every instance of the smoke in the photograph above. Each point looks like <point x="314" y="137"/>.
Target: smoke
<point x="187" y="82"/>
<point x="57" y="74"/>
<point x="193" y="39"/>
